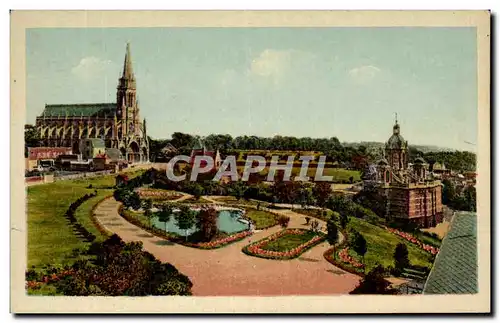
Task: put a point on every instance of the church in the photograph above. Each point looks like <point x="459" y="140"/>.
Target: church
<point x="411" y="192"/>
<point x="118" y="124"/>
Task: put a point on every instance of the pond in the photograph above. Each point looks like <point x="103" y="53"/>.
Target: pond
<point x="228" y="221"/>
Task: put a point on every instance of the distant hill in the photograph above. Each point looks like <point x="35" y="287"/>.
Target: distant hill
<point x="373" y="146"/>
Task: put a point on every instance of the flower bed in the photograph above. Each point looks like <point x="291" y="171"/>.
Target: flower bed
<point x="343" y="260"/>
<point x="409" y="237"/>
<point x="257" y="249"/>
<point x="157" y="194"/>
<point x="218" y="243"/>
<point x="47" y="278"/>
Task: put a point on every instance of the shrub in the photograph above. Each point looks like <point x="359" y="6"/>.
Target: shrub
<point x="207" y="223"/>
<point x="374" y="283"/>
<point x="314" y="225"/>
<point x="122" y="269"/>
<point x="283" y="220"/>
<point x="401" y="260"/>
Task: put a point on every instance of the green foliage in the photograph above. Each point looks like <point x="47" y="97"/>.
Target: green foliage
<point x="343" y="220"/>
<point x="128" y="197"/>
<point x="119" y="269"/>
<point x="401" y="260"/>
<point x="374" y="283"/>
<point x="283" y="220"/>
<point x="332" y="232"/>
<point x="289" y="241"/>
<point x="381" y="245"/>
<point x="166" y="212"/>
<point x="261" y="219"/>
<point x="207" y="223"/>
<point x="31" y="138"/>
<point x="185" y="218"/>
<point x="197" y="190"/>
<point x="359" y="244"/>
<point x="464" y="200"/>
<point x="461" y="161"/>
<point x="322" y="191"/>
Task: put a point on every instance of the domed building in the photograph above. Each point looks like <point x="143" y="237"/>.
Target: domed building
<point x="412" y="194"/>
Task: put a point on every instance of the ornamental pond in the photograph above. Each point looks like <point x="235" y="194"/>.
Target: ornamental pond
<point x="229" y="221"/>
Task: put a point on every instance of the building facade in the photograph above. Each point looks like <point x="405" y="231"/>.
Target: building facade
<point x="412" y="194"/>
<point x="118" y="124"/>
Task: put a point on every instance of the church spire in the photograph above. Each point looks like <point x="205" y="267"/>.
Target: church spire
<point x="128" y="73"/>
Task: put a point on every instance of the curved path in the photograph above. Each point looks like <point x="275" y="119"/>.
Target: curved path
<point x="228" y="271"/>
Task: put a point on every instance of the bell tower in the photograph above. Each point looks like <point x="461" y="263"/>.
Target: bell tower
<point x="126" y="97"/>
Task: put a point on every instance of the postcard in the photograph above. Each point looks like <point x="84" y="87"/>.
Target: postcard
<point x="250" y="162"/>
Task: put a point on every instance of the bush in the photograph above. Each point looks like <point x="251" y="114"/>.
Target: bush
<point x="207" y="223"/>
<point x="283" y="220"/>
<point x="401" y="260"/>
<point x="120" y="269"/>
<point x="374" y="283"/>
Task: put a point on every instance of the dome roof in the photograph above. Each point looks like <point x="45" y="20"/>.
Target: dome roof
<point x="419" y="160"/>
<point x="396" y="141"/>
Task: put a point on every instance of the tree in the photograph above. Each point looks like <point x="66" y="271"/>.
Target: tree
<point x="449" y="192"/>
<point x="238" y="190"/>
<point x="197" y="190"/>
<point x="314" y="225"/>
<point x="343" y="220"/>
<point x="322" y="191"/>
<point x="165" y="214"/>
<point x="401" y="260"/>
<point x="359" y="245"/>
<point x="120" y="269"/>
<point x="374" y="283"/>
<point x="207" y="223"/>
<point x="182" y="141"/>
<point x="185" y="218"/>
<point x="31" y="137"/>
<point x="283" y="220"/>
<point x="332" y="234"/>
<point x="148" y="204"/>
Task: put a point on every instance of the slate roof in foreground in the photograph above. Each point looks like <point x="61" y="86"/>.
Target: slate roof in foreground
<point x="455" y="267"/>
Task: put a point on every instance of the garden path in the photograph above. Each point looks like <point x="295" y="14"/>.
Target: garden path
<point x="228" y="271"/>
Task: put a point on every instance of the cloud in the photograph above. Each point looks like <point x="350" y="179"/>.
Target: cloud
<point x="364" y="74"/>
<point x="91" y="67"/>
<point x="271" y="63"/>
<point x="274" y="65"/>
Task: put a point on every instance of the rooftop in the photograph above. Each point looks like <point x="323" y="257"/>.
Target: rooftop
<point x="79" y="110"/>
<point x="455" y="267"/>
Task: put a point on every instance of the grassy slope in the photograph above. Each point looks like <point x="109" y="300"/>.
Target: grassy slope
<point x="381" y="245"/>
<point x="50" y="238"/>
<point x="339" y="174"/>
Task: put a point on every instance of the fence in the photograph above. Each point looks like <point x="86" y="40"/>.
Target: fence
<point x="83" y="175"/>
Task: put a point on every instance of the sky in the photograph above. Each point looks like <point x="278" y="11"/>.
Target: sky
<point x="305" y="82"/>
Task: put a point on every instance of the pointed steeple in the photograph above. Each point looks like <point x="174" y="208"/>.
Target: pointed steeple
<point x="128" y="73"/>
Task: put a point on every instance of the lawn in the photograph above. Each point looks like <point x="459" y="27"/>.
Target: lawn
<point x="261" y="219"/>
<point x="322" y="214"/>
<point x="289" y="241"/>
<point x="50" y="239"/>
<point x="340" y="175"/>
<point x="381" y="245"/>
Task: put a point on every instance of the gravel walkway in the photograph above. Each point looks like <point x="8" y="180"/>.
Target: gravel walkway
<point x="229" y="272"/>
